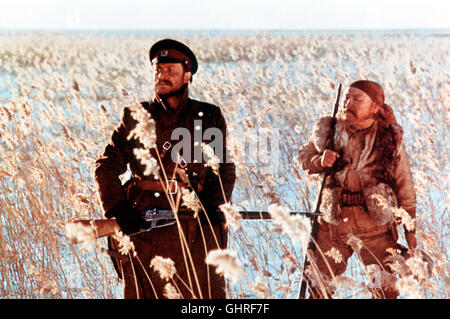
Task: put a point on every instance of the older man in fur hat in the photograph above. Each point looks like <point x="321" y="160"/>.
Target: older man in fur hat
<point x="369" y="187"/>
<point x="180" y="128"/>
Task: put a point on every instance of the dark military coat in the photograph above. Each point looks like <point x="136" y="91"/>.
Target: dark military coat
<point x="195" y="116"/>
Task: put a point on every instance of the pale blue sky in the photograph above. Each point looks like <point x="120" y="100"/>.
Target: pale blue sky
<point x="224" y="14"/>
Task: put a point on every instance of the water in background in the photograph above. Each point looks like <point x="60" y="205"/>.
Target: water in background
<point x="7" y="79"/>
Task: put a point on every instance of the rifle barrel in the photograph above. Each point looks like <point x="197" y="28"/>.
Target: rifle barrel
<point x="107" y="227"/>
<point x="336" y="101"/>
<point x="314" y="223"/>
<point x="266" y="215"/>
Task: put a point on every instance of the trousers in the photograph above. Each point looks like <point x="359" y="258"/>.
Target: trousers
<point x="193" y="279"/>
<point x="372" y="244"/>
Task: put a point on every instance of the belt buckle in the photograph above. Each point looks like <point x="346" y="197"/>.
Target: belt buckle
<point x="169" y="186"/>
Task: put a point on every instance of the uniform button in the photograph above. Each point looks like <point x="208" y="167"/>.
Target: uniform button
<point x="200" y="114"/>
<point x="155" y="177"/>
<point x="156" y="194"/>
<point x="196" y="143"/>
<point x="197" y="127"/>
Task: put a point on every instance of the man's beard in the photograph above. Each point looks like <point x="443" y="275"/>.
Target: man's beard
<point x="163" y="98"/>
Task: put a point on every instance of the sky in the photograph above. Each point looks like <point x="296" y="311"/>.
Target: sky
<point x="224" y="14"/>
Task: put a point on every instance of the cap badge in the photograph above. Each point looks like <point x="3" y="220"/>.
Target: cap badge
<point x="164" y="52"/>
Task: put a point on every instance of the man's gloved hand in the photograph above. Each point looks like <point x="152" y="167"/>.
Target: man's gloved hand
<point x="129" y="219"/>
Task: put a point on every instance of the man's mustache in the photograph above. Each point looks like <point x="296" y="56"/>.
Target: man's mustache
<point x="166" y="82"/>
<point x="350" y="111"/>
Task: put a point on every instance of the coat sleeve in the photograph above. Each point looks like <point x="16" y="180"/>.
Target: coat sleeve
<point x="112" y="163"/>
<point x="404" y="185"/>
<point x="212" y="195"/>
<point x="309" y="158"/>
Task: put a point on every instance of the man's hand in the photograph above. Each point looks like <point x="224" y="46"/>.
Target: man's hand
<point x="328" y="158"/>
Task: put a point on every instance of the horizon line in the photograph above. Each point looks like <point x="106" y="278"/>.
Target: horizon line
<point x="227" y="29"/>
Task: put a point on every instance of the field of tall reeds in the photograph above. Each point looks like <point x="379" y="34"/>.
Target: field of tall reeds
<point x="61" y="96"/>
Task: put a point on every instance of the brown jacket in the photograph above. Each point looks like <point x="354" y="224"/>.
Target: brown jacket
<point x="118" y="154"/>
<point x="373" y="161"/>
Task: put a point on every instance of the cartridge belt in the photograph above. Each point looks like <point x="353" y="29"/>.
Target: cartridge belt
<point x="349" y="198"/>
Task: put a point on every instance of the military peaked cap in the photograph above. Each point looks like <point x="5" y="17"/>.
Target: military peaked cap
<point x="170" y="51"/>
